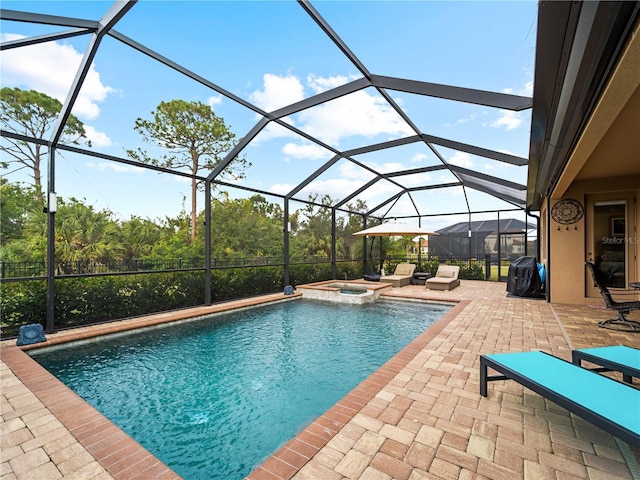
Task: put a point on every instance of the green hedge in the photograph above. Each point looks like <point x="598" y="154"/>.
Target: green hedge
<point x="86" y="300"/>
<point x="22" y="303"/>
<point x="469" y="271"/>
<point x="243" y="282"/>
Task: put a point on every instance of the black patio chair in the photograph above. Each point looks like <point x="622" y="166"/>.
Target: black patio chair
<point x="623" y="308"/>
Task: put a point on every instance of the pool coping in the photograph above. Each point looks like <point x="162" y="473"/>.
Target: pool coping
<point x="124" y="458"/>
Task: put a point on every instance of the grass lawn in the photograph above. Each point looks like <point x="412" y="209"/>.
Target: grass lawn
<point x="494" y="272"/>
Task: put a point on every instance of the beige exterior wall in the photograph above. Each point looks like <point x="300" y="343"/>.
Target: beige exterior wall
<point x="604" y="165"/>
<point x="567" y="273"/>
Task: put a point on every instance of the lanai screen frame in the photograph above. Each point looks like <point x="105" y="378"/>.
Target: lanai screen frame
<point x="510" y="192"/>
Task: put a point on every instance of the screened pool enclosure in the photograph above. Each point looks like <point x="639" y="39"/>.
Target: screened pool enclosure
<point x="351" y="123"/>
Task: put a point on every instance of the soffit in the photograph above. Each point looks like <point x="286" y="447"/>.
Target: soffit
<point x="580" y="51"/>
<point x="610" y="145"/>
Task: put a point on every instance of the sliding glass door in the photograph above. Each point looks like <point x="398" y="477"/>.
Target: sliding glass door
<point x="610" y="230"/>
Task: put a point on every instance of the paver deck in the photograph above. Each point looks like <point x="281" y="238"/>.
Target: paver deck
<point x="419" y="417"/>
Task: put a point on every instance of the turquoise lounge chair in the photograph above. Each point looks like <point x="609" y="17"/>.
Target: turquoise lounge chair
<point x="611" y="405"/>
<point x="617" y="358"/>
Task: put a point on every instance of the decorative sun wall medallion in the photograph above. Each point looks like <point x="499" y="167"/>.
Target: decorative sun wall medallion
<point x="567" y="211"/>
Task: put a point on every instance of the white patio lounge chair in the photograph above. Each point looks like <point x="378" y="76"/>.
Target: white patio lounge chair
<point x="401" y="276"/>
<point x="446" y="278"/>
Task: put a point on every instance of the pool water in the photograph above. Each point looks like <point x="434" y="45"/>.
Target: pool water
<point x="352" y="291"/>
<point x="348" y="288"/>
<point x="214" y="398"/>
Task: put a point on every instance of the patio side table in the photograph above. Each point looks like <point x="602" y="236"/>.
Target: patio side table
<point x="420" y="278"/>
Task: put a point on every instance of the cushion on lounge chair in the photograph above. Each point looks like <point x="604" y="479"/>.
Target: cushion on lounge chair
<point x="603" y="401"/>
<point x="445" y="273"/>
<point x="404" y="269"/>
<point x="446" y="278"/>
<point x="401" y="276"/>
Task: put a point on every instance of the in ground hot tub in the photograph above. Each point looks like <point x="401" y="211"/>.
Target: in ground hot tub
<point x="342" y="292"/>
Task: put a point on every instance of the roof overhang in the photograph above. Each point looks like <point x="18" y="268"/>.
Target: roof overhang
<point x="579" y="47"/>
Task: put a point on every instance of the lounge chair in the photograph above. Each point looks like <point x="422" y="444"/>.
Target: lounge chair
<point x="617" y="358"/>
<point x="401" y="276"/>
<point x="446" y="278"/>
<point x="623" y="308"/>
<point x="603" y="401"/>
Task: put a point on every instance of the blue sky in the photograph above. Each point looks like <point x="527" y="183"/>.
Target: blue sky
<point x="272" y="54"/>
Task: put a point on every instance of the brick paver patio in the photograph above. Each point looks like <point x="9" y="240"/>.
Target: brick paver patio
<point x="419" y="417"/>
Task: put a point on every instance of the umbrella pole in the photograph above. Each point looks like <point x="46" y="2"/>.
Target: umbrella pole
<point x="373" y="240"/>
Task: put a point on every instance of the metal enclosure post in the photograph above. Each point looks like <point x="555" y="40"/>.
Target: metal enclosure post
<point x="51" y="242"/>
<point x="499" y="246"/>
<point x="420" y="244"/>
<point x="207" y="242"/>
<point x="469" y="240"/>
<point x="334" y="270"/>
<point x="286" y="241"/>
<point x="526" y="236"/>
<point x="364" y="246"/>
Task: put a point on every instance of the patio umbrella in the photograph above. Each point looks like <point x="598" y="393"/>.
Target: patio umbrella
<point x="394" y="229"/>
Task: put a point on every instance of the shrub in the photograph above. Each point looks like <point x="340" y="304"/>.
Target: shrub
<point x="468" y="270"/>
<point x="92" y="299"/>
<point x="86" y="300"/>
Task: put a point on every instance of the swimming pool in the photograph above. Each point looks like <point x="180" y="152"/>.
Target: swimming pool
<point x="214" y="398"/>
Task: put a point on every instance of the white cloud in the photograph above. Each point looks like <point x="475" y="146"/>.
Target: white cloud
<point x="274" y="130"/>
<point x="282" y="188"/>
<point x="461" y="159"/>
<point x="50" y="68"/>
<point x="349" y="178"/>
<point x="419" y="157"/>
<point x="526" y="90"/>
<point x="322" y="84"/>
<point x="98" y="139"/>
<point x="351" y="170"/>
<point x="213" y="100"/>
<point x="466" y="119"/>
<point x="335" y="187"/>
<point x="389" y="167"/>
<point x="508" y="119"/>
<point x="277" y="92"/>
<point x="359" y="113"/>
<point x="309" y="151"/>
<point x="415" y="180"/>
<point x="356" y="114"/>
<point x="115" y="167"/>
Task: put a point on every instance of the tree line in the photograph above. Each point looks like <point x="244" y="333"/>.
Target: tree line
<point x="195" y="139"/>
<point x="192" y="135"/>
<point x="240" y="227"/>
